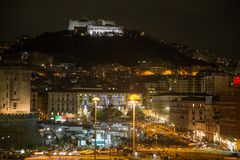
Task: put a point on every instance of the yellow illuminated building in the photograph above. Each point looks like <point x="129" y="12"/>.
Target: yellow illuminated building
<point x="167" y="72"/>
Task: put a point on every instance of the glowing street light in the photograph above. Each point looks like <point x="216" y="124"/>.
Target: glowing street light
<point x="133" y="99"/>
<point x="59" y="129"/>
<point x="95" y="100"/>
<point x="174" y="127"/>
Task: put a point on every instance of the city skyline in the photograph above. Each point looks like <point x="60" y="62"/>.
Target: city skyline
<point x="119" y="80"/>
<point x="208" y="25"/>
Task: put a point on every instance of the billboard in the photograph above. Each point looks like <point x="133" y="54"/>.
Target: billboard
<point x="60" y="118"/>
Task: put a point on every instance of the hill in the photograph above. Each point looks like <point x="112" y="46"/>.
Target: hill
<point x="128" y="49"/>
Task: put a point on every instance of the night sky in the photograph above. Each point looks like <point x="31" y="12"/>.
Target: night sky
<point x="207" y="24"/>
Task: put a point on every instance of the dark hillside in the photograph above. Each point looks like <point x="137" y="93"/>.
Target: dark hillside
<point x="66" y="46"/>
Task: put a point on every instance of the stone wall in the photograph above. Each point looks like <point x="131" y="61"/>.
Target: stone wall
<point x="19" y="131"/>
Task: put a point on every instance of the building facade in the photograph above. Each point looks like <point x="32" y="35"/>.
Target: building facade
<point x="98" y="27"/>
<point x="160" y="104"/>
<point x="15" y="89"/>
<point x="76" y="103"/>
<point x="186" y="112"/>
<point x="229" y="104"/>
<point x="215" y="83"/>
<point x="62" y="103"/>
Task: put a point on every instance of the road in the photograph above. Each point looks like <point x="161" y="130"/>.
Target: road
<point x="82" y="157"/>
<point x="154" y="153"/>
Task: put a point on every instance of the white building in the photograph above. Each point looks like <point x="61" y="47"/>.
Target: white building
<point x="76" y="23"/>
<point x="73" y="103"/>
<point x="104" y="30"/>
<point x="97" y="28"/>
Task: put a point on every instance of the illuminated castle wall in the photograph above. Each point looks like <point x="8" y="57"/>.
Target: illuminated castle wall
<point x="15" y="90"/>
<point x="76" y="23"/>
<point x="97" y="28"/>
<point x="104" y="30"/>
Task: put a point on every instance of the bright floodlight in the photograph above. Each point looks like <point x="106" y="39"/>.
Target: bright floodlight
<point x="134" y="97"/>
<point x="96" y="99"/>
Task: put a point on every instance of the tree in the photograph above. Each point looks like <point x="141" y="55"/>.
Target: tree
<point x="140" y="116"/>
<point x="108" y="114"/>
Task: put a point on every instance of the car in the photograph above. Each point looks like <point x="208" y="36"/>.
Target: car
<point x="103" y="151"/>
<point x="38" y="153"/>
<point x="86" y="152"/>
<point x="236" y="154"/>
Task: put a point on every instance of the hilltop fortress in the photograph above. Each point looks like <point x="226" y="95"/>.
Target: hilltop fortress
<point x="98" y="27"/>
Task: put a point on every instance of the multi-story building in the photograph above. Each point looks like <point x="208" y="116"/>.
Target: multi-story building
<point x="229" y="104"/>
<point x="160" y="104"/>
<point x="38" y="103"/>
<point x="215" y="83"/>
<point x="212" y="84"/>
<point x="18" y="128"/>
<point x="15" y="88"/>
<point x="212" y="116"/>
<point x="114" y="76"/>
<point x="186" y="112"/>
<point x="78" y="102"/>
<point x="180" y="84"/>
<point x="184" y="84"/>
<point x="34" y="107"/>
<point x="62" y="103"/>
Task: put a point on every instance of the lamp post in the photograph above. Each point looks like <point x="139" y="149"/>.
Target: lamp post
<point x="174" y="128"/>
<point x="133" y="99"/>
<point x="95" y="100"/>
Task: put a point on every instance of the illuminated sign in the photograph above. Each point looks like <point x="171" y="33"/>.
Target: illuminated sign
<point x="236" y="80"/>
<point x="60" y="118"/>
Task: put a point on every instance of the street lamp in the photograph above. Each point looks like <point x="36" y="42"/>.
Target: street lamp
<point x="95" y="100"/>
<point x="174" y="127"/>
<point x="133" y="99"/>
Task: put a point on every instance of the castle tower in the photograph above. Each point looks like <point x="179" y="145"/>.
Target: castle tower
<point x="15" y="89"/>
<point x="18" y="128"/>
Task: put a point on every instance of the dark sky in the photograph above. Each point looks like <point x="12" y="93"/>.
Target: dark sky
<point x="208" y="24"/>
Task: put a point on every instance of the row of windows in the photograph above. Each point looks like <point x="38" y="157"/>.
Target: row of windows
<point x="15" y="78"/>
<point x="200" y="118"/>
<point x="63" y="104"/>
<point x="62" y="95"/>
<point x="14" y="93"/>
<point x="199" y="111"/>
<point x="187" y="105"/>
<point x="59" y="109"/>
<point x="114" y="99"/>
<point x="84" y="95"/>
<point x="6" y="104"/>
<point x="67" y="99"/>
